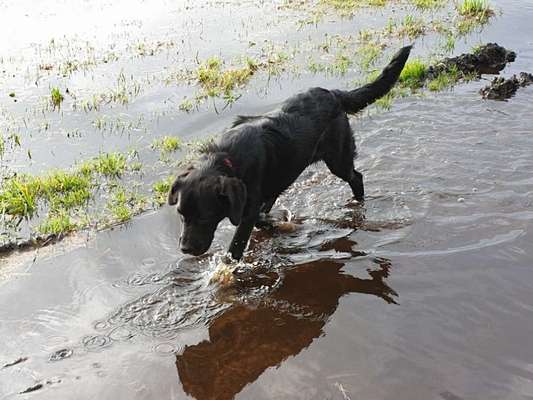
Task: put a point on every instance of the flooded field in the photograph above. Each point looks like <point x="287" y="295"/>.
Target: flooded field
<point x="425" y="292"/>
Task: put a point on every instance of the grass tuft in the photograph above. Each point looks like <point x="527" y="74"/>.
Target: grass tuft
<point x="57" y="224"/>
<point x="167" y="144"/>
<point x="444" y="80"/>
<point x="107" y="164"/>
<point x="56" y="97"/>
<point x="123" y="206"/>
<point x="412" y="27"/>
<point x="413" y="74"/>
<point x="478" y="9"/>
<point x="346" y="7"/>
<point x="425" y="5"/>
<point x="160" y="189"/>
<point x="19" y="195"/>
<point x="217" y="82"/>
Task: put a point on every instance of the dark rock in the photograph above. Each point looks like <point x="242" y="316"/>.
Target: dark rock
<point x="488" y="59"/>
<point x="501" y="88"/>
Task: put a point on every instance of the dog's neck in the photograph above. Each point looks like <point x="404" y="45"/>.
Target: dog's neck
<point x="223" y="163"/>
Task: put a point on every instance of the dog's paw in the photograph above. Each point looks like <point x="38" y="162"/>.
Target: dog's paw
<point x="355" y="203"/>
<point x="265" y="225"/>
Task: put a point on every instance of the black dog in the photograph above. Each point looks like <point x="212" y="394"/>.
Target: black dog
<point x="261" y="156"/>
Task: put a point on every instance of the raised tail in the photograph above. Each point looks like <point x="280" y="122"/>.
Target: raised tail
<point x="354" y="100"/>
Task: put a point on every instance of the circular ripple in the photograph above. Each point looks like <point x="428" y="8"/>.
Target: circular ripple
<point x="120" y="333"/>
<point x="164" y="348"/>
<point x="96" y="342"/>
<point x="148" y="262"/>
<point x="101" y="325"/>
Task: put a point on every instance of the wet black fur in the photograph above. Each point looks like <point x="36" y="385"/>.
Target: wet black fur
<point x="268" y="153"/>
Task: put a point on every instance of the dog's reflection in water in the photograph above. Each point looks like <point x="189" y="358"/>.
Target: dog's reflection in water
<point x="246" y="340"/>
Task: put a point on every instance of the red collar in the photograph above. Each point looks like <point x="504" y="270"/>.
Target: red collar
<point x="227" y="162"/>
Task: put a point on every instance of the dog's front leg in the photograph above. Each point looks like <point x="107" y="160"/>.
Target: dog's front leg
<point x="244" y="230"/>
<point x="241" y="237"/>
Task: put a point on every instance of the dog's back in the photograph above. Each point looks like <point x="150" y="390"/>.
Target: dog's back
<point x="281" y="144"/>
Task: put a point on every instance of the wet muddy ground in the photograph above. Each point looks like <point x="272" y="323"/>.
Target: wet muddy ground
<point x="423" y="293"/>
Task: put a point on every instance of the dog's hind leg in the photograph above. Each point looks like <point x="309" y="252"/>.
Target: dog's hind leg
<point x="340" y="153"/>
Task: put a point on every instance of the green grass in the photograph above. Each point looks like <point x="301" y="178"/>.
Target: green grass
<point x="476" y="9"/>
<point x="316" y="67"/>
<point x="413" y="74"/>
<point x="167" y="144"/>
<point x="107" y="164"/>
<point x="160" y="189"/>
<point x="58" y="223"/>
<point x="61" y="181"/>
<point x="341" y="64"/>
<point x="346" y="7"/>
<point x="368" y="54"/>
<point x="19" y="195"/>
<point x="186" y="105"/>
<point x="412" y="27"/>
<point x="56" y="97"/>
<point x="65" y="190"/>
<point x="444" y="80"/>
<point x="60" y="190"/>
<point x="477" y="48"/>
<point x="428" y="4"/>
<point x="385" y="102"/>
<point x="119" y="207"/>
<point x="65" y="196"/>
<point x="448" y="44"/>
<point x="124" y="205"/>
<point x="216" y="82"/>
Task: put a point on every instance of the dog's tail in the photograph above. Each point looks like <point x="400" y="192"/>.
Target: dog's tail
<point x="354" y="100"/>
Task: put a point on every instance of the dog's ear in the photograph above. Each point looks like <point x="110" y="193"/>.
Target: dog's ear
<point x="173" y="192"/>
<point x="235" y="191"/>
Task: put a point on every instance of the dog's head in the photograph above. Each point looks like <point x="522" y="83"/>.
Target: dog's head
<point x="203" y="200"/>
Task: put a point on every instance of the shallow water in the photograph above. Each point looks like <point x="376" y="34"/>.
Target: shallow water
<point x="425" y="293"/>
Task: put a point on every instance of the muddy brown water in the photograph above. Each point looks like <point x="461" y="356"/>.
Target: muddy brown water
<point x="424" y="293"/>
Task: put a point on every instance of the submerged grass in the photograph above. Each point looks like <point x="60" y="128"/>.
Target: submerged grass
<point x="19" y="196"/>
<point x="60" y="190"/>
<point x="216" y="82"/>
<point x="444" y="80"/>
<point x="107" y="164"/>
<point x="474" y="13"/>
<point x="428" y="4"/>
<point x="167" y="144"/>
<point x="412" y="27"/>
<point x="346" y="7"/>
<point x="478" y="9"/>
<point x="369" y="53"/>
<point x="59" y="224"/>
<point x="124" y="205"/>
<point x="160" y="190"/>
<point x="56" y="97"/>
